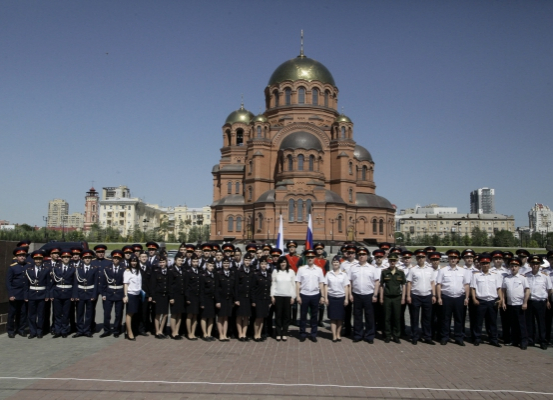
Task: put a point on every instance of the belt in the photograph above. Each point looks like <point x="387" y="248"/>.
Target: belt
<point x="37" y="287"/>
<point x="115" y="287"/>
<point x="85" y="287"/>
<point x="65" y="286"/>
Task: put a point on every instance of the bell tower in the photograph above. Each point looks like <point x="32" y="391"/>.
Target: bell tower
<point x="90" y="209"/>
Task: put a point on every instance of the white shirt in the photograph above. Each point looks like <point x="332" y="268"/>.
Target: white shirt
<point x="346" y="265"/>
<point x="134" y="281"/>
<point x="336" y="283"/>
<point x="385" y="263"/>
<point x="524" y="269"/>
<point x="404" y="266"/>
<point x="283" y="283"/>
<point x="434" y="273"/>
<point x="421" y="280"/>
<point x="453" y="281"/>
<point x="515" y="286"/>
<point x="363" y="278"/>
<point x="309" y="279"/>
<point x="540" y="284"/>
<point x="486" y="285"/>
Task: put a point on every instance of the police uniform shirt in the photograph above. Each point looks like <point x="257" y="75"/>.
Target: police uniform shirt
<point x="346" y="265"/>
<point x="421" y="280"/>
<point x="524" y="269"/>
<point x="309" y="279"/>
<point x="539" y="284"/>
<point x="453" y="281"/>
<point x="134" y="281"/>
<point x="363" y="278"/>
<point x="336" y="283"/>
<point x="385" y="263"/>
<point x="515" y="286"/>
<point x="486" y="285"/>
<point x="405" y="267"/>
<point x="434" y="273"/>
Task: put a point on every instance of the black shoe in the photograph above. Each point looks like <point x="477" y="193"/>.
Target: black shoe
<point x="39" y="336"/>
<point x="543" y="346"/>
<point x="429" y="341"/>
<point x="370" y="341"/>
<point x="339" y="339"/>
<point x="31" y="336"/>
<point x="476" y="343"/>
<point x="495" y="344"/>
<point x="414" y="341"/>
<point x="334" y="340"/>
<point x="241" y="339"/>
<point x="313" y="339"/>
<point x="89" y="335"/>
<point x="320" y="324"/>
<point x="160" y="337"/>
<point x="507" y="344"/>
<point x="144" y="334"/>
<point x="22" y="334"/>
<point x="443" y="342"/>
<point x="302" y="339"/>
<point x="56" y="335"/>
<point x="11" y="335"/>
<point x="257" y="339"/>
<point x="64" y="336"/>
<point x="387" y="340"/>
<point x="133" y="339"/>
<point x="76" y="335"/>
<point x="396" y="340"/>
<point x="356" y="340"/>
<point x="523" y="347"/>
<point x="460" y="342"/>
<point x="116" y="335"/>
<point x="105" y="334"/>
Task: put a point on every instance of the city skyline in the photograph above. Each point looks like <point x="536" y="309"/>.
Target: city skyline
<point x="448" y="97"/>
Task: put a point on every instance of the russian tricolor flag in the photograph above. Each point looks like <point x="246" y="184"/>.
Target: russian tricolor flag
<point x="309" y="235"/>
<point x="280" y="238"/>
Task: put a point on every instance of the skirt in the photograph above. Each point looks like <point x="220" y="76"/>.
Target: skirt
<point x="336" y="308"/>
<point x="133" y="305"/>
<point x="178" y="306"/>
<point x="245" y="307"/>
<point x="209" y="307"/>
<point x="262" y="308"/>
<point x="162" y="304"/>
<point x="226" y="308"/>
<point x="194" y="306"/>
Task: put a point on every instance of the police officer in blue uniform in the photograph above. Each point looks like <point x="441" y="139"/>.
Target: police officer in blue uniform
<point x="61" y="293"/>
<point x="112" y="294"/>
<point x="85" y="291"/>
<point x="36" y="293"/>
<point x="153" y="258"/>
<point x="15" y="283"/>
<point x="54" y="260"/>
<point x="100" y="262"/>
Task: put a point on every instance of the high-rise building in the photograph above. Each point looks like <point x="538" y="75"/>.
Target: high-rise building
<point x="91" y="209"/>
<point x="482" y="201"/>
<point x="539" y="218"/>
<point x="57" y="211"/>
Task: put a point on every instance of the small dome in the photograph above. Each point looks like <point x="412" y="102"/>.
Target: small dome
<point x="372" y="201"/>
<point x="267" y="197"/>
<point x="260" y="118"/>
<point x="240" y="115"/>
<point x="362" y="154"/>
<point x="230" y="200"/>
<point x="301" y="140"/>
<point x="333" y="197"/>
<point x="304" y="68"/>
<point x="342" y="118"/>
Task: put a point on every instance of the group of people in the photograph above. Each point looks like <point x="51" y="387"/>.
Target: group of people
<point x="210" y="283"/>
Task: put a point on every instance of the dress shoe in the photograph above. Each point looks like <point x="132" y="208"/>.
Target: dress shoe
<point x="443" y="342"/>
<point x="396" y="340"/>
<point x="523" y="347"/>
<point x="320" y="324"/>
<point x="160" y="337"/>
<point x="105" y="334"/>
<point x="460" y="342"/>
<point x="11" y="335"/>
<point x="495" y="344"/>
<point x="387" y="340"/>
<point x="476" y="343"/>
<point x="133" y="339"/>
<point x="414" y="341"/>
<point x="76" y="335"/>
<point x="370" y="341"/>
<point x="64" y="336"/>
<point x="334" y="340"/>
<point x="22" y="334"/>
<point x="507" y="344"/>
<point x="356" y="340"/>
<point x="241" y="339"/>
<point x="257" y="339"/>
<point x="277" y="338"/>
<point x="89" y="335"/>
<point x="205" y="339"/>
<point x="39" y="336"/>
<point x="313" y="339"/>
<point x="302" y="339"/>
<point x="116" y="335"/>
<point x="56" y="335"/>
<point x="144" y="334"/>
<point x="177" y="337"/>
<point x="543" y="346"/>
<point x="31" y="336"/>
<point x="429" y="341"/>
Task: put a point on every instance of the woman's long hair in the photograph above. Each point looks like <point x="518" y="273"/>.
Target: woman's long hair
<point x="136" y="269"/>
<point x="280" y="260"/>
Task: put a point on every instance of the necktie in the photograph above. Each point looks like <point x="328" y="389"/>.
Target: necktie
<point x="85" y="270"/>
<point x="64" y="269"/>
<point x="226" y="273"/>
<point x="115" y="270"/>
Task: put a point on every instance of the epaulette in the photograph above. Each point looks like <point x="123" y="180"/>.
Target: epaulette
<point x="475" y="272"/>
<point x="545" y="273"/>
<point x="11" y="265"/>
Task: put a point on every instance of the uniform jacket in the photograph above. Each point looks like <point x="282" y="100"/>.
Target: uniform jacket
<point x="244" y="284"/>
<point x="61" y="283"/>
<point x="224" y="286"/>
<point x="207" y="287"/>
<point x="192" y="284"/>
<point x="261" y="287"/>
<point x="15" y="280"/>
<point x="85" y="285"/>
<point x="159" y="282"/>
<point x="112" y="283"/>
<point x="154" y="262"/>
<point x="176" y="282"/>
<point x="37" y="286"/>
<point x="392" y="282"/>
<point x="146" y="277"/>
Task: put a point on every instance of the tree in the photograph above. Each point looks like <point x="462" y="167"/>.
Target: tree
<point x="446" y="240"/>
<point x="435" y="240"/>
<point x="504" y="238"/>
<point x="479" y="237"/>
<point x="533" y="244"/>
<point x="467" y="240"/>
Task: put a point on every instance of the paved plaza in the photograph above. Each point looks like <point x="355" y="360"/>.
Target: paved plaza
<point x="185" y="369"/>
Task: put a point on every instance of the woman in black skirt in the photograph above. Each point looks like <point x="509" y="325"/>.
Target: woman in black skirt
<point x="132" y="280"/>
<point x="224" y="294"/>
<point x="176" y="295"/>
<point x="207" y="300"/>
<point x="261" y="297"/>
<point x="159" y="285"/>
<point x="243" y="297"/>
<point x="337" y="292"/>
<point x="192" y="297"/>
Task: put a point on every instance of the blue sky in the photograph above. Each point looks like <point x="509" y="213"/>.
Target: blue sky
<point x="447" y="96"/>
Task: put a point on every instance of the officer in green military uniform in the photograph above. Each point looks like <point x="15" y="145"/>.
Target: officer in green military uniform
<point x="392" y="296"/>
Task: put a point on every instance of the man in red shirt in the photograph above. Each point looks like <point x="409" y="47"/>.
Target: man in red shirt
<point x="321" y="262"/>
<point x="293" y="259"/>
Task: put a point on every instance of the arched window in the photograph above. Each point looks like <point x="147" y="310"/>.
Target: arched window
<point x="290" y="163"/>
<point x="275" y="93"/>
<point x="300" y="210"/>
<point x="228" y="137"/>
<point x="343" y="131"/>
<point x="350" y="168"/>
<point x="308" y="206"/>
<point x="381" y="226"/>
<point x="93" y="218"/>
<point x="259" y="132"/>
<point x="239" y="137"/>
<point x="364" y="173"/>
<point x="229" y="187"/>
<point x="230" y="224"/>
<point x="238" y="224"/>
<point x="315" y="96"/>
<point x="375" y="227"/>
<point x="327" y="95"/>
<point x="340" y="223"/>
<point x="291" y="210"/>
<point x="250" y="193"/>
<point x="301" y="95"/>
<point x="287" y="96"/>
<point x="362" y="223"/>
<point x="250" y="166"/>
<point x="260" y="221"/>
<point x="237" y="190"/>
<point x="311" y="162"/>
<point x="300" y="162"/>
<point x="350" y="195"/>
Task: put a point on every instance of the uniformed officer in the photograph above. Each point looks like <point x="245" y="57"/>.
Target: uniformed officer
<point x="309" y="294"/>
<point x="189" y="250"/>
<point x="145" y="316"/>
<point x="392" y="296"/>
<point x="153" y="259"/>
<point x="549" y="311"/>
<point x="243" y="296"/>
<point x="435" y="258"/>
<point x="112" y="289"/>
<point x="485" y="291"/>
<point x="25" y="244"/>
<point x="192" y="296"/>
<point x="350" y="252"/>
<point x="224" y="295"/>
<point x="452" y="290"/>
<point x="523" y="255"/>
<point x="261" y="297"/>
<point x="159" y="286"/>
<point x="381" y="265"/>
<point x="85" y="292"/>
<point x="176" y="295"/>
<point x="207" y="299"/>
<point x="504" y="270"/>
<point x="61" y="293"/>
<point x="468" y="256"/>
<point x="36" y="293"/>
<point x="137" y="249"/>
<point x="100" y="262"/>
<point x="128" y="251"/>
<point x="206" y="254"/>
<point x="516" y="293"/>
<point x="538" y="302"/>
<point x="386" y="247"/>
<point x="405" y="265"/>
<point x="420" y="295"/>
<point x="15" y="284"/>
<point x="54" y="259"/>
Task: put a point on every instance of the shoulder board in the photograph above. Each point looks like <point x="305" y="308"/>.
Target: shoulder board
<point x="11" y="265"/>
<point x="544" y="273"/>
<point x="475" y="272"/>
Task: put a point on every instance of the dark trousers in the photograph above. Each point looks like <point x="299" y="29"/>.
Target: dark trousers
<point x="421" y="306"/>
<point x="363" y="306"/>
<point x="347" y="319"/>
<point x="48" y="325"/>
<point x="453" y="307"/>
<point x="548" y="321"/>
<point x="108" y="306"/>
<point x="268" y="322"/>
<point x="62" y="307"/>
<point x="144" y="317"/>
<point x="282" y="315"/>
<point x="517" y="317"/>
<point x="535" y="317"/>
<point x="378" y="311"/>
<point x="36" y="316"/>
<point x="402" y="319"/>
<point x="436" y="321"/>
<point x="506" y="327"/>
<point x="93" y="317"/>
<point x="392" y="317"/>
<point x="309" y="304"/>
<point x="73" y="317"/>
<point x="84" y="316"/>
<point x="486" y="310"/>
<point x="473" y="316"/>
<point x="17" y="316"/>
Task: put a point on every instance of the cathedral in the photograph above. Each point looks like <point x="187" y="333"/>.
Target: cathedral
<point x="296" y="159"/>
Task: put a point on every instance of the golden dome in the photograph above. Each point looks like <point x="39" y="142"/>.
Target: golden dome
<point x="299" y="68"/>
<point x="342" y="118"/>
<point x="240" y="115"/>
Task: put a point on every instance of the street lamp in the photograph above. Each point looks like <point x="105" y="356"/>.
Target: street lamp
<point x="45" y="219"/>
<point x="331" y="234"/>
<point x="63" y="227"/>
<point x="145" y="222"/>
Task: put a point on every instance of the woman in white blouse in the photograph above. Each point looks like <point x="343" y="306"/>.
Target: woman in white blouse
<point x="283" y="294"/>
<point x="132" y="280"/>
<point x="337" y="292"/>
